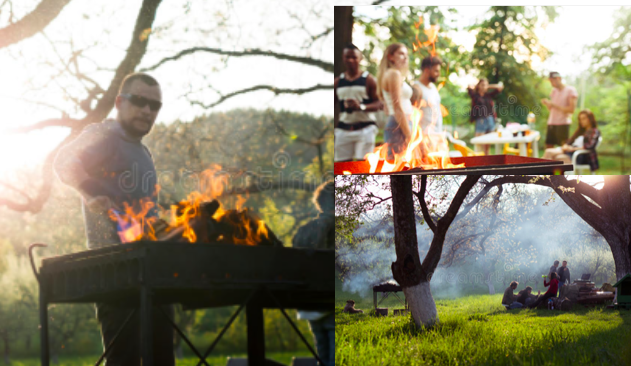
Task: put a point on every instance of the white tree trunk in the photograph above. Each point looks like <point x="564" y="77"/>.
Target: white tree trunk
<point x="421" y="304"/>
<point x="491" y="287"/>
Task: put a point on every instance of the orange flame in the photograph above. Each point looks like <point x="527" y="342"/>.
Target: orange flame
<point x="425" y="150"/>
<point x="134" y="224"/>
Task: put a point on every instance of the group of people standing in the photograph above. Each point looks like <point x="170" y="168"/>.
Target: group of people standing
<point x="359" y="95"/>
<point x="559" y="276"/>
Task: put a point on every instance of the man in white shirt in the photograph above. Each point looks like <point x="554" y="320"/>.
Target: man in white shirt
<point x="426" y="95"/>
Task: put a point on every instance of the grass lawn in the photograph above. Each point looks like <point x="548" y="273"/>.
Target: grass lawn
<point x="218" y="360"/>
<point x="477" y="330"/>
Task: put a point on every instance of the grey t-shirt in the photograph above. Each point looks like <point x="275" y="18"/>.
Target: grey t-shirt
<point x="124" y="167"/>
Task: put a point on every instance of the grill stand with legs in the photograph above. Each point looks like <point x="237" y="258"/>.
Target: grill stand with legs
<point x="254" y="319"/>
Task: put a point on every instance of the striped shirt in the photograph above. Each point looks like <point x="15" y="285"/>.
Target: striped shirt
<point x="355" y="89"/>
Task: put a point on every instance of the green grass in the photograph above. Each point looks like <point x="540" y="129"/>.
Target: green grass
<point x="477" y="330"/>
<point x="218" y="360"/>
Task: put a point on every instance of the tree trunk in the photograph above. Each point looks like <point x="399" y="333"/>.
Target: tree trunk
<point x="408" y="271"/>
<point x="421" y="303"/>
<point x="343" y="23"/>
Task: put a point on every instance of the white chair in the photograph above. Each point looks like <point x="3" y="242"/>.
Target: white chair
<point x="578" y="168"/>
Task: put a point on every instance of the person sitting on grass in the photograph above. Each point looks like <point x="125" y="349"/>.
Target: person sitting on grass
<point x="523" y="297"/>
<point x="552" y="291"/>
<point x="509" y="298"/>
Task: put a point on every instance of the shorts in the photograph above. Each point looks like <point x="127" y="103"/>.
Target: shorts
<point x="354" y="145"/>
<point x="557" y="134"/>
<point x="394" y="137"/>
<point x="484" y="124"/>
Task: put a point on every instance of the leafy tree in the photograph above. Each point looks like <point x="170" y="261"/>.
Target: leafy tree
<point x="505" y="46"/>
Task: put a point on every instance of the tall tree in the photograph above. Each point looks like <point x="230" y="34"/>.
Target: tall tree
<point x="408" y="271"/>
<point x="343" y="35"/>
<point x="505" y="46"/>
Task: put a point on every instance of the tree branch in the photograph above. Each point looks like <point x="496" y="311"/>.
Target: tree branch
<point x="262" y="186"/>
<point x="421" y="199"/>
<point x="326" y="66"/>
<point x="32" y="23"/>
<point x="135" y="52"/>
<point x="276" y="91"/>
<point x="436" y="248"/>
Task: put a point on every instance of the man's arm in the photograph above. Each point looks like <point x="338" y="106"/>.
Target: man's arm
<point x="69" y="167"/>
<point x="337" y="80"/>
<point x="417" y="95"/>
<point x="569" y="109"/>
<point x="371" y="89"/>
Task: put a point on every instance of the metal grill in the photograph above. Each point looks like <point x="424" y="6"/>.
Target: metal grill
<point x="144" y="274"/>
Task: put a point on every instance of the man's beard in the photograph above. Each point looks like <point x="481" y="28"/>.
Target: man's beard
<point x="128" y="126"/>
<point x="432" y="79"/>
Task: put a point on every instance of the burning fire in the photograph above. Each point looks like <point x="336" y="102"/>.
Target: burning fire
<point x="424" y="150"/>
<point x="243" y="227"/>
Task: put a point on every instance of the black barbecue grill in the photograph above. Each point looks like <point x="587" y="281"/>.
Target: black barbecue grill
<point x="144" y="274"/>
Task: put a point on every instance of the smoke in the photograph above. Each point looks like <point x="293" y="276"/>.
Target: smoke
<point x="527" y="239"/>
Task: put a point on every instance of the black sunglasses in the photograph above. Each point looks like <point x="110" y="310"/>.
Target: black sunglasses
<point x="141" y="102"/>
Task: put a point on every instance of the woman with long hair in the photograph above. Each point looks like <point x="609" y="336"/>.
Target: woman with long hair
<point x="482" y="106"/>
<point x="588" y="128"/>
<point x="395" y="93"/>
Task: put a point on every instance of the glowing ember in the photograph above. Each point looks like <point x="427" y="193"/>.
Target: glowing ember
<point x="346" y="172"/>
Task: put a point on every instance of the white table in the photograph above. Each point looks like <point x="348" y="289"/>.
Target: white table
<point x="508" y="138"/>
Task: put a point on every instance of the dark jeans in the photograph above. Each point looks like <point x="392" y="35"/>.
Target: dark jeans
<point x="126" y="351"/>
<point x="324" y="332"/>
<point x="541" y="299"/>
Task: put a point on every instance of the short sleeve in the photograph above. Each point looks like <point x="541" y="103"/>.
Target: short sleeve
<point x="573" y="92"/>
<point x="96" y="145"/>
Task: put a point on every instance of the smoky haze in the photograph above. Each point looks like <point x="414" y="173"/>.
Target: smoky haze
<point x="521" y="246"/>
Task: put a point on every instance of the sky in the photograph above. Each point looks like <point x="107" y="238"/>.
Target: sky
<point x="104" y="28"/>
<point x="575" y="28"/>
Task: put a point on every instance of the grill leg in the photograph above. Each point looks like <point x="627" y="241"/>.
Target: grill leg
<point x="256" y="335"/>
<point x="374" y="299"/>
<point x="43" y="331"/>
<point x="146" y="333"/>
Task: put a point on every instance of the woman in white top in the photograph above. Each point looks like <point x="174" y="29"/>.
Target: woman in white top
<point x="396" y="94"/>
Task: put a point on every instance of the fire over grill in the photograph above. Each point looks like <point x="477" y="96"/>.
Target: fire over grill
<point x="479" y="165"/>
<point x="195" y="275"/>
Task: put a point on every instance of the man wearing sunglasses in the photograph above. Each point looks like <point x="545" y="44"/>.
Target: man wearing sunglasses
<point x="112" y="169"/>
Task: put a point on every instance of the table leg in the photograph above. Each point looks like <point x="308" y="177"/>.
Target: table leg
<point x="43" y="331"/>
<point x="477" y="148"/>
<point x="499" y="149"/>
<point x="256" y="335"/>
<point x="535" y="148"/>
<point x="146" y="331"/>
<point x="523" y="150"/>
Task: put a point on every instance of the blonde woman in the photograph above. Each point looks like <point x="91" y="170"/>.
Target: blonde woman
<point x="395" y="93"/>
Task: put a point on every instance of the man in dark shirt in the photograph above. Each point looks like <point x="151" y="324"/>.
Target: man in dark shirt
<point x="564" y="274"/>
<point x="111" y="168"/>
